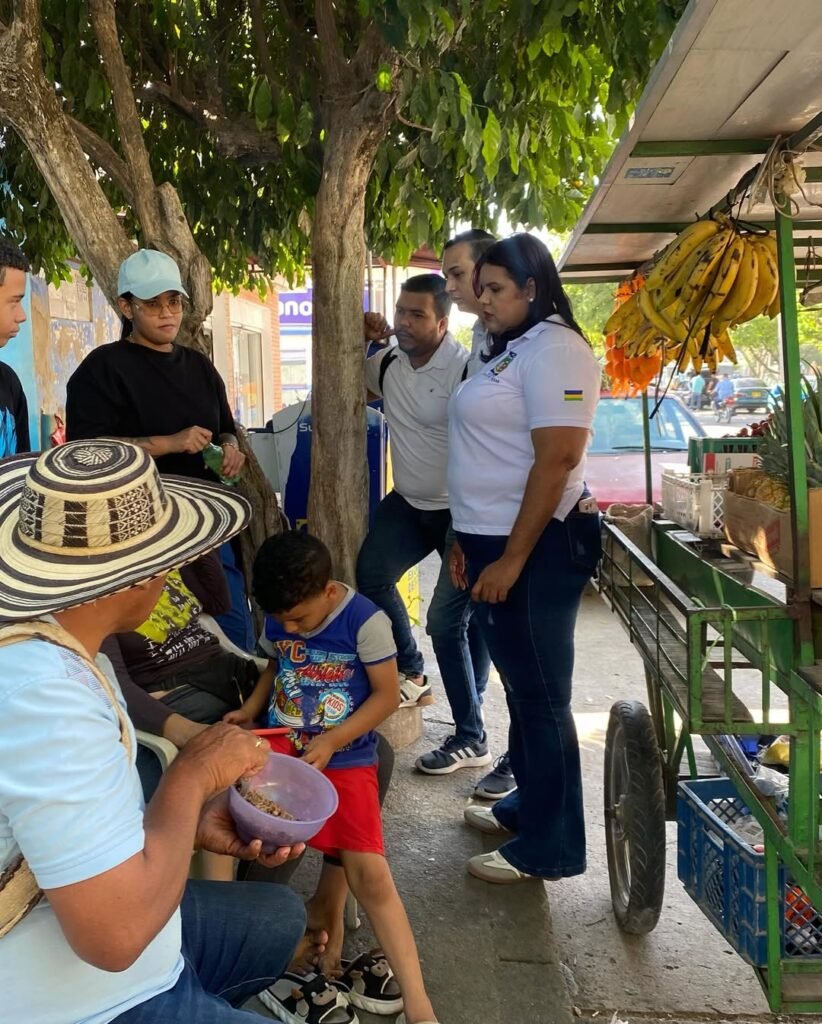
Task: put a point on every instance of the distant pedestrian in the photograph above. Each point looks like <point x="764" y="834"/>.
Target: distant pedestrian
<point x="697" y="389"/>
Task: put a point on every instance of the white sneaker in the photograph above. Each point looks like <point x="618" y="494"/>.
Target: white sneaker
<point x="493" y="867"/>
<point x="414" y="694"/>
<point x="484" y="820"/>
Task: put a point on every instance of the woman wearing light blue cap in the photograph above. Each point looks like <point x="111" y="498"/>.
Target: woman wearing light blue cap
<point x="166" y="398"/>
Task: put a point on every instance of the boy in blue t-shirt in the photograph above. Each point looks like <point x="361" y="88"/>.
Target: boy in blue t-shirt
<point x="332" y="679"/>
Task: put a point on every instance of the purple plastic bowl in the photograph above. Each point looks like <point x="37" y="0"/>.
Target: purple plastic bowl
<point x="299" y="789"/>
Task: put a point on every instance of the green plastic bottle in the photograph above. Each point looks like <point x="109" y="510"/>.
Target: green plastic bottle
<point x="213" y="458"/>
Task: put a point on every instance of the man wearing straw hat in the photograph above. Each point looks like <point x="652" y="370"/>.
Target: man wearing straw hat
<point x="97" y="920"/>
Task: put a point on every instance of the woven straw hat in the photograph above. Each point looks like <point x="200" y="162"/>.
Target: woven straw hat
<point x="91" y="518"/>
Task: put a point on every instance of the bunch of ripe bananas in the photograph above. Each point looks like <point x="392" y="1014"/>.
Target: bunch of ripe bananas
<point x="710" y="279"/>
<point x="629" y="374"/>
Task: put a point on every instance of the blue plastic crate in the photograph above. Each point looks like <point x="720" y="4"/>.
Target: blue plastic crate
<point x="726" y="877"/>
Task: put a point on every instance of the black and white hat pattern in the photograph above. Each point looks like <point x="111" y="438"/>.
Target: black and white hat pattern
<point x="91" y="518"/>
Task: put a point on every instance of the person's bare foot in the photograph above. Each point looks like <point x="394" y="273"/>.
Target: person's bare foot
<point x="331" y="922"/>
<point x="310" y="949"/>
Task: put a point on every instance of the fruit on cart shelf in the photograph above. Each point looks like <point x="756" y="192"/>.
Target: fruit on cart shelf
<point x="759" y="485"/>
<point x="711" y="278"/>
<point x="773" y="452"/>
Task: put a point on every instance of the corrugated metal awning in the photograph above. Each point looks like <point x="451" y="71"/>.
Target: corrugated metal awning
<point x="736" y="74"/>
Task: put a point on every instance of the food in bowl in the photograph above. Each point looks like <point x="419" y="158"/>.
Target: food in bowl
<point x="257" y="798"/>
<point x="294" y="785"/>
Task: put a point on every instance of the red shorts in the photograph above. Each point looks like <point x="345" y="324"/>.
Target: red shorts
<point x="356" y="825"/>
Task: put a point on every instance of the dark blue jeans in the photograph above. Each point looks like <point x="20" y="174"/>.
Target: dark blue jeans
<point x="461" y="652"/>
<point x="531" y="640"/>
<point x="238" y="938"/>
<point x="400" y="538"/>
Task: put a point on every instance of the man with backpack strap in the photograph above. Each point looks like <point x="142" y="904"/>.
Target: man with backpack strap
<point x="415" y="379"/>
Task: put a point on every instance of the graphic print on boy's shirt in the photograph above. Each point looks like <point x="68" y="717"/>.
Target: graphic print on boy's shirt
<point x="321" y="679"/>
<point x="311" y="688"/>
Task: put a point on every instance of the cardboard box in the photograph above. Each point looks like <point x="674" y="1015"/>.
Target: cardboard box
<point x="763" y="531"/>
<point x="724" y="462"/>
<point x="722" y="454"/>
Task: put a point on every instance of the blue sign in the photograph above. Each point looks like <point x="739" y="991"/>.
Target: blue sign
<point x="297" y="308"/>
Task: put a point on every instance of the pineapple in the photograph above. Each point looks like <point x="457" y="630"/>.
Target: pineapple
<point x="773" y="450"/>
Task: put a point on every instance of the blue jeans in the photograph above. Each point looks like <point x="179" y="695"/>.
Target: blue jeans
<point x="238" y="938"/>
<point x="461" y="652"/>
<point x="399" y="538"/>
<point x="531" y="640"/>
<point x="236" y="623"/>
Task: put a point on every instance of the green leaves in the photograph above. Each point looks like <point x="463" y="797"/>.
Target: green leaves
<point x="385" y="78"/>
<point x="507" y="106"/>
<point x="491" y="137"/>
<point x="263" y="102"/>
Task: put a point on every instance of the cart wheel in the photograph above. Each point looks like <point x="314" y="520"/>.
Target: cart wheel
<point x="634" y="818"/>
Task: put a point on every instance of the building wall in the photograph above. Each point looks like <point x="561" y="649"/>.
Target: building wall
<point x="246" y="350"/>
<point x="64" y="325"/>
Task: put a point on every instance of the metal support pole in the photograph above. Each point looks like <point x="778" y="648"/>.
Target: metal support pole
<point x="796" y="437"/>
<point x="646" y="444"/>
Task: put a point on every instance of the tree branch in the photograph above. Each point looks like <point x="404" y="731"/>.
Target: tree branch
<point x="31" y="106"/>
<point x="413" y="124"/>
<point x="261" y="39"/>
<point x="290" y="18"/>
<point x="104" y="22"/>
<point x="104" y="156"/>
<point x="371" y="50"/>
<point x="236" y="139"/>
<point x="332" y="58"/>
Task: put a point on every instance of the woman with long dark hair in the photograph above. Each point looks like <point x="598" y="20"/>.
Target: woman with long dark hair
<point x="528" y="541"/>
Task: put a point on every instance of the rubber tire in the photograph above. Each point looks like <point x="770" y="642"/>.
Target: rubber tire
<point x="636" y="875"/>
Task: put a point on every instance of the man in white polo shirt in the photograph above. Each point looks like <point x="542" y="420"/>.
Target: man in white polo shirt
<point x="415" y="379"/>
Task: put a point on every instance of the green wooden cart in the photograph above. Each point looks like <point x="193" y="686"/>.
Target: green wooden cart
<point x="699" y="612"/>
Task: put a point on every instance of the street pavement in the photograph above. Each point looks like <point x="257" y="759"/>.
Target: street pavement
<point x="546" y="953"/>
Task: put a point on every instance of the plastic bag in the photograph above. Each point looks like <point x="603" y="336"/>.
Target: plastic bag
<point x="635" y="522"/>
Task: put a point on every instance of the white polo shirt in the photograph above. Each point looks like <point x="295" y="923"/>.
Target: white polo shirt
<point x="548" y="377"/>
<point x="480" y="346"/>
<point x="416" y="407"/>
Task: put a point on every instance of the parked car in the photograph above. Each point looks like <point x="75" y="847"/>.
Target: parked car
<point x="615" y="470"/>
<point x="776" y="398"/>
<point x="750" y="395"/>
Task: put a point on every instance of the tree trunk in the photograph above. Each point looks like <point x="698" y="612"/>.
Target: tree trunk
<point x="338" y="494"/>
<point x="30" y="104"/>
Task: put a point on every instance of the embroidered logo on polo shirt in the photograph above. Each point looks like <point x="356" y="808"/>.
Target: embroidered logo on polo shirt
<point x="501" y="366"/>
<point x="573" y="394"/>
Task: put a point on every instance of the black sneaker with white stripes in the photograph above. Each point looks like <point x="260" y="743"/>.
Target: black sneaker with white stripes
<point x="499" y="782"/>
<point x="453" y="755"/>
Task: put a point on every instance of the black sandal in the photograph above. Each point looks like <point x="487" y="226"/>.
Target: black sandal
<point x="369" y="983"/>
<point x="308" y="999"/>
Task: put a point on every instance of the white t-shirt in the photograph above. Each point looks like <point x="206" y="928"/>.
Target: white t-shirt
<point x="71" y="801"/>
<point x="480" y="346"/>
<point x="548" y="377"/>
<point x="416" y="407"/>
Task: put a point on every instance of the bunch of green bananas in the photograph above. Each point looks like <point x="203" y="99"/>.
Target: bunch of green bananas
<point x="711" y="278"/>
